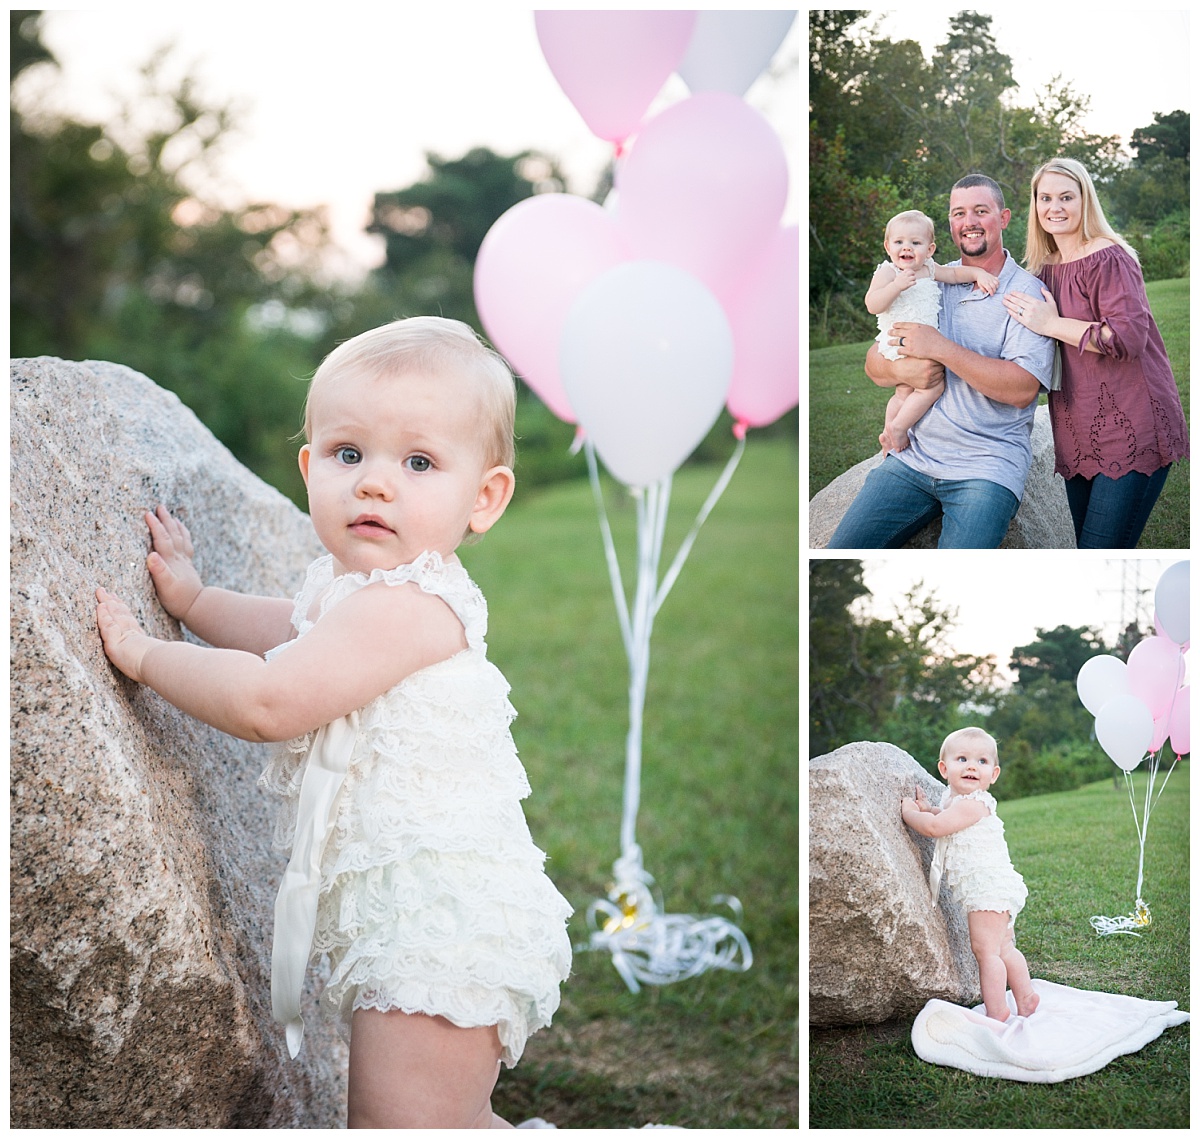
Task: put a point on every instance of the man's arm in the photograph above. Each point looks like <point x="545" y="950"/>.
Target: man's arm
<point x="919" y="374"/>
<point x="1002" y="380"/>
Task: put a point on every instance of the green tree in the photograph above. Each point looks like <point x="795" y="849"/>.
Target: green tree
<point x="894" y="680"/>
<point x="116" y="255"/>
<point x="1169" y="136"/>
<point x="1057" y="653"/>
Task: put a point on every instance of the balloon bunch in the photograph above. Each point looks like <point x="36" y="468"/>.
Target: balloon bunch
<point x="639" y="320"/>
<point x="1139" y="705"/>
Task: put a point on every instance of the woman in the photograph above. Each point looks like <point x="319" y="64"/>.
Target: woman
<point x="1118" y="420"/>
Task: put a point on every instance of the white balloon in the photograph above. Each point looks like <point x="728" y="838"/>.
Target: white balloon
<point x="646" y="358"/>
<point x="728" y="51"/>
<point x="1100" y="679"/>
<point x="1124" y="729"/>
<point x="1172" y="602"/>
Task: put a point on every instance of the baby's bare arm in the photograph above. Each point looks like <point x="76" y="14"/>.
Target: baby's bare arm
<point x="956" y="817"/>
<point x="362" y="647"/>
<point x="221" y="617"/>
<point x="965" y="275"/>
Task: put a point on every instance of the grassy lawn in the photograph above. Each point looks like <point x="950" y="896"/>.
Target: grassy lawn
<point x="719" y="807"/>
<point x="1077" y="851"/>
<point x="846" y="413"/>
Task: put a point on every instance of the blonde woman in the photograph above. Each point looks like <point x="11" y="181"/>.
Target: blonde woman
<point x="1118" y="420"/>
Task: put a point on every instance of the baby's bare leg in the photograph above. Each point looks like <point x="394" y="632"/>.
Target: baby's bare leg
<point x="1018" y="977"/>
<point x="988" y="929"/>
<point x="887" y="437"/>
<point x="911" y="409"/>
<point x="421" y="1071"/>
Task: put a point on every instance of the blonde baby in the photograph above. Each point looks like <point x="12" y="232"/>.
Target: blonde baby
<point x="977" y="868"/>
<point x="445" y="940"/>
<point x="904" y="288"/>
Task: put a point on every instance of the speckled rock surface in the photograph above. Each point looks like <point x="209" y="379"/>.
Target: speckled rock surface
<point x="142" y="880"/>
<point x="1042" y="521"/>
<point x="878" y="949"/>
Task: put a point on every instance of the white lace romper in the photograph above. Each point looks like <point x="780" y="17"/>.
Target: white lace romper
<point x="433" y="897"/>
<point x="978" y="870"/>
<point x="919" y="303"/>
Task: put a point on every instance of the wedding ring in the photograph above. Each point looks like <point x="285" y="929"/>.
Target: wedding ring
<point x="901" y="341"/>
<point x="1020" y="312"/>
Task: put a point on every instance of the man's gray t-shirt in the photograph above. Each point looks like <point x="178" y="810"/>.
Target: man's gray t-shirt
<point x="965" y="435"/>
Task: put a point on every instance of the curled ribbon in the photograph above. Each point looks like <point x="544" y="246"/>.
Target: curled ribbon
<point x="296" y="902"/>
<point x="1127" y="923"/>
<point x="655" y="948"/>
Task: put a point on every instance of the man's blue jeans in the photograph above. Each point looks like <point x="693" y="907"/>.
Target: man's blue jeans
<point x="1110" y="514"/>
<point x="896" y="502"/>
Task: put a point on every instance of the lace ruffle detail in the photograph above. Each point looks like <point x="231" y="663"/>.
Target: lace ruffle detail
<point x="433" y="894"/>
<point x="979" y="872"/>
<point x="920" y="303"/>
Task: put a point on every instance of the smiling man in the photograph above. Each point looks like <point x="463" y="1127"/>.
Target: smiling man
<point x="969" y="455"/>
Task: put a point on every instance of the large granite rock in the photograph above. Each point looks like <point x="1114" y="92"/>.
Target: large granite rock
<point x="142" y="881"/>
<point x="877" y="948"/>
<point x="1042" y="521"/>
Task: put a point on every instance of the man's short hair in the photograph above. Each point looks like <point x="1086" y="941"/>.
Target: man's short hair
<point x="969" y="180"/>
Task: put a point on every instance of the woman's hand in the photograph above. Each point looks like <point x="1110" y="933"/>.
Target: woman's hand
<point x="1034" y="313"/>
<point x="170" y="563"/>
<point x="125" y="644"/>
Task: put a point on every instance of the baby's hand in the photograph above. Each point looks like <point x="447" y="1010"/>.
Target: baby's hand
<point x="907" y="806"/>
<point x="906" y="278"/>
<point x="922" y="802"/>
<point x="986" y="283"/>
<point x="170" y="563"/>
<point x="125" y="643"/>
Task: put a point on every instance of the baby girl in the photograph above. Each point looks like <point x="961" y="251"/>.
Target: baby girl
<point x="977" y="868"/>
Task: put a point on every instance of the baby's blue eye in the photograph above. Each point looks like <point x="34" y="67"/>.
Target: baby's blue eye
<point x="348" y="455"/>
<point x="419" y="463"/>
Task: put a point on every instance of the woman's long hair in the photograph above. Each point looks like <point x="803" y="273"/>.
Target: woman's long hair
<point x="1039" y="245"/>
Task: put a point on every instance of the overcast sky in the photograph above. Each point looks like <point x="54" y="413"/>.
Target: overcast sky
<point x="1129" y="63"/>
<point x="1004" y="597"/>
<point x="338" y="102"/>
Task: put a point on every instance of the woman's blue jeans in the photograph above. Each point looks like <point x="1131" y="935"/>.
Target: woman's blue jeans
<point x="1110" y="514"/>
<point x="896" y="502"/>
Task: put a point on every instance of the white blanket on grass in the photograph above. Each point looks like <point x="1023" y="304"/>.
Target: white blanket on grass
<point x="1071" y="1033"/>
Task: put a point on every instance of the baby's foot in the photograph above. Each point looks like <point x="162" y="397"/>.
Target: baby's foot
<point x="1027" y="1003"/>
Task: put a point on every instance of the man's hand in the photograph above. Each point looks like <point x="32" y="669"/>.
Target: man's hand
<point x="919" y="374"/>
<point x="920" y="340"/>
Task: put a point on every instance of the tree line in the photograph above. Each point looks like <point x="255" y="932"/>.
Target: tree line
<point x="118" y="253"/>
<point x="890" y="130"/>
<point x="896" y="680"/>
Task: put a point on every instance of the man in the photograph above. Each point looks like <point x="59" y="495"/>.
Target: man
<point x="969" y="455"/>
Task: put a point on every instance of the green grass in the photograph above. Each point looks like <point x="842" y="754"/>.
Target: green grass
<point x="1077" y="851"/>
<point x="719" y="806"/>
<point x="846" y="413"/>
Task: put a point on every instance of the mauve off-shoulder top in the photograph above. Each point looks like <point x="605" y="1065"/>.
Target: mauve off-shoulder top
<point x="1118" y="411"/>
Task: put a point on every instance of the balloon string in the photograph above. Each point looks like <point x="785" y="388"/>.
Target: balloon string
<point x="686" y="546"/>
<point x="610" y="552"/>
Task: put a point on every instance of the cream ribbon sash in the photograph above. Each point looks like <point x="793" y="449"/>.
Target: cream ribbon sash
<point x="296" y="903"/>
<point x="936" y="866"/>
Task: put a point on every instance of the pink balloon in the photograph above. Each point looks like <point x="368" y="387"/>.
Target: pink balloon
<point x="1155" y="672"/>
<point x="703" y="187"/>
<point x="1180" y="726"/>
<point x="612" y="64"/>
<point x="1162" y="729"/>
<point x="765" y="318"/>
<point x="535" y="260"/>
